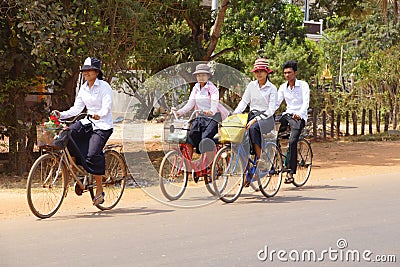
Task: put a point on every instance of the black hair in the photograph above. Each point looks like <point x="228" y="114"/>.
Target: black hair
<point x="290" y="64"/>
<point x="100" y="75"/>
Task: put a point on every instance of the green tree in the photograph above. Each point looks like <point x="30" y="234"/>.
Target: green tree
<point x="40" y="39"/>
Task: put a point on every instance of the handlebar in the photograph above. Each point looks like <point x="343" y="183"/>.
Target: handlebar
<point x="192" y="116"/>
<point x="78" y="117"/>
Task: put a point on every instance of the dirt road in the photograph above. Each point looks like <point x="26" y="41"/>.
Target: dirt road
<point x="333" y="160"/>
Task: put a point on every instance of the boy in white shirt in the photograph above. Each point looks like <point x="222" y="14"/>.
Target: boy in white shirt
<point x="297" y="96"/>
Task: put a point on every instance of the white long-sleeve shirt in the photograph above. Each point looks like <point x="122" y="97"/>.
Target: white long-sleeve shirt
<point x="262" y="99"/>
<point x="97" y="100"/>
<point x="297" y="98"/>
<point x="206" y="98"/>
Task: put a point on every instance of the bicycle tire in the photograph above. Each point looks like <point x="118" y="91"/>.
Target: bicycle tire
<point x="227" y="175"/>
<point x="304" y="163"/>
<point x="173" y="175"/>
<point x="113" y="180"/>
<point x="46" y="186"/>
<point x="270" y="175"/>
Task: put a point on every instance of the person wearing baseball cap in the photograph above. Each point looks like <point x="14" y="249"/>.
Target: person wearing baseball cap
<point x="91" y="135"/>
<point x="261" y="96"/>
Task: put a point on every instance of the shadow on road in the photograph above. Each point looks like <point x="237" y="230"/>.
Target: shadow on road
<point x="111" y="213"/>
<point x="285" y="199"/>
<point x="250" y="199"/>
<point x="319" y="187"/>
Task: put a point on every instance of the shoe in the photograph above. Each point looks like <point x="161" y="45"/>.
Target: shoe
<point x="289" y="178"/>
<point x="196" y="178"/>
<point x="99" y="199"/>
<point x="207" y="179"/>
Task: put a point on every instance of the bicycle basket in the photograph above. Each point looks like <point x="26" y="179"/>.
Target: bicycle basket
<point x="176" y="131"/>
<point x="53" y="137"/>
<point x="233" y="128"/>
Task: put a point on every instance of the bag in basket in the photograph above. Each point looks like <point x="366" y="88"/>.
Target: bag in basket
<point x="233" y="129"/>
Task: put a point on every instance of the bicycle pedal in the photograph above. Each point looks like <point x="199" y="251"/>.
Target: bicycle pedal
<point x="78" y="189"/>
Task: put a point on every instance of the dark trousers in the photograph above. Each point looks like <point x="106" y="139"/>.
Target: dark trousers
<point x="256" y="130"/>
<point x="202" y="128"/>
<point x="90" y="144"/>
<point x="296" y="126"/>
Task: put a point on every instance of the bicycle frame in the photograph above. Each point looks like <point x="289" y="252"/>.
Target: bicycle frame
<point x="197" y="170"/>
<point x="251" y="166"/>
<point x="49" y="177"/>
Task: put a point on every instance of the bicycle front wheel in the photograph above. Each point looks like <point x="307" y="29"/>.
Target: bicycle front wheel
<point x="173" y="175"/>
<point x="227" y="174"/>
<point x="270" y="173"/>
<point x="46" y="186"/>
<point x="304" y="163"/>
<point x="113" y="180"/>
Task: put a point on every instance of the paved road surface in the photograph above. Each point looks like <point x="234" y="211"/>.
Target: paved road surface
<point x="336" y="219"/>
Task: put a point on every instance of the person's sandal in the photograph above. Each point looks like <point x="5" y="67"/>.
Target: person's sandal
<point x="289" y="179"/>
<point x="99" y="199"/>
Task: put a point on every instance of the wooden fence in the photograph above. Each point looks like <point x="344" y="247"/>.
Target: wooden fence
<point x="329" y="124"/>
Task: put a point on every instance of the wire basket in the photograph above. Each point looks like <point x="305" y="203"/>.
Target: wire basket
<point x="176" y="131"/>
<point x="46" y="136"/>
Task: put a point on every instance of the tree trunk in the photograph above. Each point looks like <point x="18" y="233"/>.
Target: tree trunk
<point x="378" y="121"/>
<point x="62" y="100"/>
<point x="347" y="123"/>
<point x="363" y="121"/>
<point x="324" y="124"/>
<point x="332" y="124"/>
<point x="315" y="123"/>
<point x="370" y="121"/>
<point x="394" y="114"/>
<point x="216" y="30"/>
<point x="338" y="125"/>
<point x="354" y="116"/>
<point x="386" y="127"/>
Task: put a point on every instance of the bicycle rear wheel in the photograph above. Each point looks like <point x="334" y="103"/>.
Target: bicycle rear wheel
<point x="46" y="186"/>
<point x="227" y="174"/>
<point x="304" y="163"/>
<point x="173" y="175"/>
<point x="270" y="174"/>
<point x="113" y="180"/>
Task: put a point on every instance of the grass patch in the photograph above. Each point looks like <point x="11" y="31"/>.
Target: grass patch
<point x="373" y="137"/>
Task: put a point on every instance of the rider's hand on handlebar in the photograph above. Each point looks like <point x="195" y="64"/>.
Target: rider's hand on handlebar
<point x="296" y="117"/>
<point x="95" y="117"/>
<point x="174" y="111"/>
<point x="251" y="122"/>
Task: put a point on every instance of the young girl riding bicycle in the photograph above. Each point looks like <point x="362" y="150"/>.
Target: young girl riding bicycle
<point x="92" y="135"/>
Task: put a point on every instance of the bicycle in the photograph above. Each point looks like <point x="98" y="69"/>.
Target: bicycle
<point x="178" y="163"/>
<point x="49" y="176"/>
<point x="233" y="165"/>
<point x="304" y="156"/>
